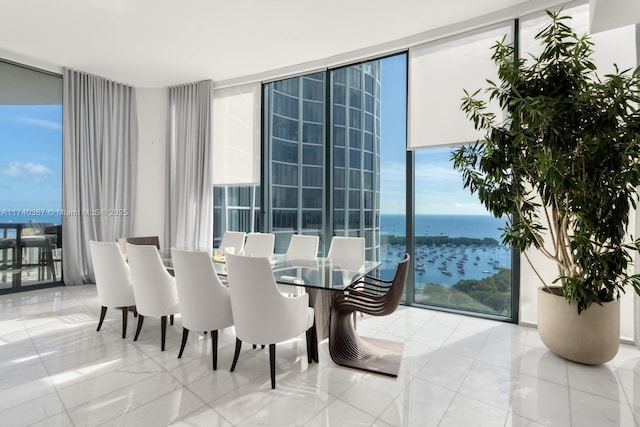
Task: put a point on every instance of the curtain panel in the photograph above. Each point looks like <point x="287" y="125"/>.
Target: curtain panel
<point x="100" y="146"/>
<point x="189" y="201"/>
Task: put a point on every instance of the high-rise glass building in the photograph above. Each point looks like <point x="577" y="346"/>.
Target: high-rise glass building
<point x="322" y="146"/>
<point x="235" y="208"/>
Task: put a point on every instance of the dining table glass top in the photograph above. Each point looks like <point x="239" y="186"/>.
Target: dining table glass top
<point x="319" y="272"/>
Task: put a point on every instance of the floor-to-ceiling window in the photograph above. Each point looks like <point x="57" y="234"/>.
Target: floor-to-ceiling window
<point x="323" y="137"/>
<point x="459" y="262"/>
<point x="294" y="133"/>
<point x="30" y="177"/>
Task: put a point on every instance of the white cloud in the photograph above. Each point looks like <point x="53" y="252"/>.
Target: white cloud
<point x="16" y="169"/>
<point x="47" y="124"/>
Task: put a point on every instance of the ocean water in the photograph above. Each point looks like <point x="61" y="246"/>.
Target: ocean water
<point x="476" y="226"/>
<point x="446" y="265"/>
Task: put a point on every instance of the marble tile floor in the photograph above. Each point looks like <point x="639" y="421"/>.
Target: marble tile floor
<point x="56" y="370"/>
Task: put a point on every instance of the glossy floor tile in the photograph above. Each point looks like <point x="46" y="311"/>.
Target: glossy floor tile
<point x="56" y="370"/>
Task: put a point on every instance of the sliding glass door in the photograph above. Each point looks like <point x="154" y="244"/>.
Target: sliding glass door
<point x="30" y="178"/>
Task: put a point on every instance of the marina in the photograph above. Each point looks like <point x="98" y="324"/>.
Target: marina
<point x="457" y="247"/>
<point x="447" y="265"/>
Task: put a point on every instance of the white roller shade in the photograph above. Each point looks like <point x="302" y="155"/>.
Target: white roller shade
<point x="438" y="74"/>
<point x="609" y="14"/>
<point x="236" y="135"/>
<point x="23" y="86"/>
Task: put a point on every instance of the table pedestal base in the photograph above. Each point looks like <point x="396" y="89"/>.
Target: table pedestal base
<point x="349" y="349"/>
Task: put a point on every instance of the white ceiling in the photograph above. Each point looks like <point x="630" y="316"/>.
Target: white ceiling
<point x="157" y="43"/>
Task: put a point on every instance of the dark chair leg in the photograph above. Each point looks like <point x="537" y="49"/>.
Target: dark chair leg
<point x="171" y="319"/>
<point x="135" y="310"/>
<point x="140" y="321"/>
<point x="214" y="348"/>
<point x="103" y="312"/>
<point x="308" y="335"/>
<point x="272" y="363"/>
<point x="185" y="335"/>
<point x="236" y="354"/>
<point x="125" y="313"/>
<point x="163" y="331"/>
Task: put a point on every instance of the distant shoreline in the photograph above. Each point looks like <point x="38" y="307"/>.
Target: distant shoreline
<point x="391" y="239"/>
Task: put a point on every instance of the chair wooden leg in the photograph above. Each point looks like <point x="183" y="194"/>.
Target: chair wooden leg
<point x="135" y="310"/>
<point x="163" y="331"/>
<point x="125" y="313"/>
<point x="171" y="320"/>
<point x="185" y="335"/>
<point x="236" y="354"/>
<point x="140" y="321"/>
<point x="214" y="348"/>
<point x="272" y="364"/>
<point x="103" y="312"/>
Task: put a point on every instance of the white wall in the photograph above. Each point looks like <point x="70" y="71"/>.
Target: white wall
<point x="148" y="214"/>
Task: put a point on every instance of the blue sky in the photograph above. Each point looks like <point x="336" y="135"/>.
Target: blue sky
<point x="31" y="167"/>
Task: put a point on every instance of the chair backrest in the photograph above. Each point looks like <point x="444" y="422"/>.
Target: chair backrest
<point x="205" y="304"/>
<point x="259" y="244"/>
<point x="153" y="287"/>
<point x="146" y="240"/>
<point x="261" y="313"/>
<point x="350" y="248"/>
<point x="232" y="239"/>
<point x="302" y="246"/>
<point x="113" y="278"/>
<point x="394" y="295"/>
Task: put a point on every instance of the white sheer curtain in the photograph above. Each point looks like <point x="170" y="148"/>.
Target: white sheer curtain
<point x="100" y="147"/>
<point x="189" y="208"/>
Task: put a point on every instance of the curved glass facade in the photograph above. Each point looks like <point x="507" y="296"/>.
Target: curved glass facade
<point x="322" y="131"/>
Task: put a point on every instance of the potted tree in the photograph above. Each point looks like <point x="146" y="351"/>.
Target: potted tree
<point x="564" y="167"/>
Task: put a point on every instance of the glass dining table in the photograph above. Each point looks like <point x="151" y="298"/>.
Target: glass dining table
<point x="316" y="273"/>
<point x="322" y="278"/>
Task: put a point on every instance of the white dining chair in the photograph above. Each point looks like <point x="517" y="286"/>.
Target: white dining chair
<point x="113" y="281"/>
<point x="302" y="246"/>
<point x="347" y="248"/>
<point x="259" y="244"/>
<point x="205" y="304"/>
<point x="232" y="239"/>
<point x="153" y="287"/>
<point x="261" y="313"/>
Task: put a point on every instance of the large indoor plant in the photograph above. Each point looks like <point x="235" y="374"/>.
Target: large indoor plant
<point x="564" y="167"/>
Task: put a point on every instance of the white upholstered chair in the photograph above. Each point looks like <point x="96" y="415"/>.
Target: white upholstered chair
<point x="261" y="313"/>
<point x="205" y="304"/>
<point x="347" y="248"/>
<point x="113" y="280"/>
<point x="147" y="240"/>
<point x="259" y="244"/>
<point x="301" y="246"/>
<point x="154" y="288"/>
<point x="232" y="239"/>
